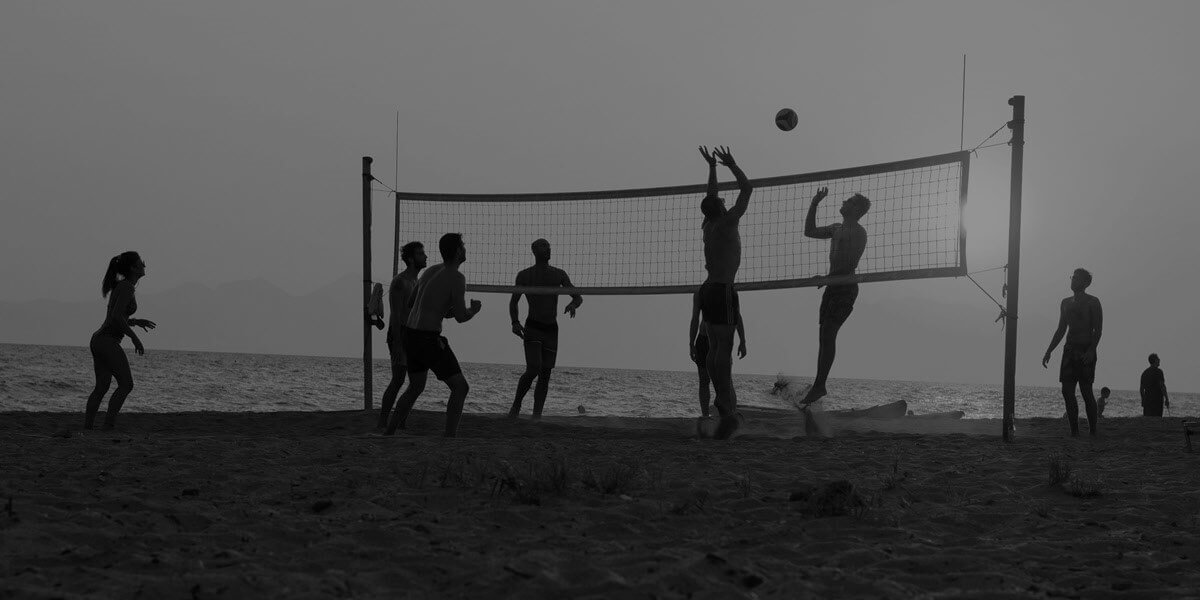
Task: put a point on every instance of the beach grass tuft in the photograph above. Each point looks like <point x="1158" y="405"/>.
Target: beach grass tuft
<point x="1059" y="469"/>
<point x="613" y="478"/>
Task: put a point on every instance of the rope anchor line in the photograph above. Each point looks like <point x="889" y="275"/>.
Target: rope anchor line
<point x="1003" y="317"/>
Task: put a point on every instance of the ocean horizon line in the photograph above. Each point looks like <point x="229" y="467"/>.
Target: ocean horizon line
<point x="384" y="359"/>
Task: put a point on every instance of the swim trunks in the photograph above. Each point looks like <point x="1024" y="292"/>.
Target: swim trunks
<point x="1074" y="369"/>
<point x="395" y="348"/>
<point x="837" y="303"/>
<point x="719" y="303"/>
<point x="544" y="335"/>
<point x="429" y="351"/>
<point x="701" y="350"/>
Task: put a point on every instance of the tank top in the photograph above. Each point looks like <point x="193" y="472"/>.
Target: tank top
<point x="110" y="328"/>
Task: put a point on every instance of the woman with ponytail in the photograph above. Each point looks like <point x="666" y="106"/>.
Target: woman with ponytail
<point x="124" y="271"/>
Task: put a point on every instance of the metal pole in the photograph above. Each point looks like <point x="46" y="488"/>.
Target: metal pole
<point x="396" y="182"/>
<point x="962" y="125"/>
<point x="1017" y="125"/>
<point x="366" y="198"/>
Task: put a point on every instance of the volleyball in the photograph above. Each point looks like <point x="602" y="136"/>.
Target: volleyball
<point x="786" y="119"/>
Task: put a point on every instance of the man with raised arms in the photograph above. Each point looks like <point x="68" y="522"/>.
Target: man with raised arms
<point x="847" y="241"/>
<point x="440" y="294"/>
<point x="1082" y="320"/>
<point x="540" y="332"/>
<point x="400" y="299"/>
<point x="718" y="299"/>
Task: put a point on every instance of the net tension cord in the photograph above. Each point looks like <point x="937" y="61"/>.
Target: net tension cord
<point x="1004" y="286"/>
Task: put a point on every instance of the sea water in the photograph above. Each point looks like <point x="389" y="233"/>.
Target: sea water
<point x="59" y="378"/>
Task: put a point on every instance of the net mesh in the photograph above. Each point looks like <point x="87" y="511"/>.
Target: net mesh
<point x="649" y="240"/>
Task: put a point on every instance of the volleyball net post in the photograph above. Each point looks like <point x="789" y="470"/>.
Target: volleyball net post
<point x="367" y="178"/>
<point x="1016" y="167"/>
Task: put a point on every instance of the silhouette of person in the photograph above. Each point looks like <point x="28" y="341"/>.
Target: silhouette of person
<point x="1082" y="320"/>
<point x="540" y="333"/>
<point x="400" y="299"/>
<point x="1153" y="389"/>
<point x="847" y="241"/>
<point x="718" y="298"/>
<point x="108" y="359"/>
<point x="698" y="351"/>
<point x="1102" y="401"/>
<point x="440" y="294"/>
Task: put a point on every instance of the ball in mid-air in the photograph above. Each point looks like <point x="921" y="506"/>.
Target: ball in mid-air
<point x="786" y="119"/>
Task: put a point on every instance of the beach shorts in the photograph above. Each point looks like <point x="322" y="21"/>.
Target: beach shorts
<point x="837" y="303"/>
<point x="1153" y="406"/>
<point x="396" y="349"/>
<point x="1074" y="369"/>
<point x="701" y="350"/>
<point x="429" y="351"/>
<point x="719" y="303"/>
<point x="541" y="342"/>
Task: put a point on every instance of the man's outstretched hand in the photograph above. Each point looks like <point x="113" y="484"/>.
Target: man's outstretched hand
<point x="820" y="195"/>
<point x="708" y="157"/>
<point x="724" y="155"/>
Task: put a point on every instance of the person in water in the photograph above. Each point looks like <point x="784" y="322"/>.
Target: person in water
<point x="108" y="358"/>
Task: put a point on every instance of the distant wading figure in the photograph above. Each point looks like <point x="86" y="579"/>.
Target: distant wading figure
<point x="847" y="240"/>
<point x="440" y="294"/>
<point x="540" y="333"/>
<point x="109" y="360"/>
<point x="698" y="350"/>
<point x="1082" y="320"/>
<point x="1153" y="389"/>
<point x="718" y="299"/>
<point x="400" y="300"/>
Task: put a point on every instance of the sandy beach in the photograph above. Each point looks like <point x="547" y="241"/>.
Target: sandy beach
<point x="317" y="505"/>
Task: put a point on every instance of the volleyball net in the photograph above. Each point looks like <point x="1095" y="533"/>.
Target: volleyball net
<point x="648" y="241"/>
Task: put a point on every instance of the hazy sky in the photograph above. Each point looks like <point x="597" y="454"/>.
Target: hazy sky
<point x="223" y="141"/>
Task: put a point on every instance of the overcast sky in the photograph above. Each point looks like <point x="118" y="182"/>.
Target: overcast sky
<point x="223" y="141"/>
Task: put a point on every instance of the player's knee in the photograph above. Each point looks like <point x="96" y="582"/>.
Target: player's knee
<point x="544" y="372"/>
<point x="416" y="385"/>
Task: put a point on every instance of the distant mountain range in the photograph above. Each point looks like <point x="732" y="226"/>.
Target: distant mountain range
<point x="245" y="316"/>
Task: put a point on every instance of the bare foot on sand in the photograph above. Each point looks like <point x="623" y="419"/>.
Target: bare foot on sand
<point x="705" y="427"/>
<point x="810" y="394"/>
<point x="728" y="426"/>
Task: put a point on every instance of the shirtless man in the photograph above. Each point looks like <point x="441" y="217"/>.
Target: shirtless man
<point x="718" y="299"/>
<point x="400" y="298"/>
<point x="540" y="333"/>
<point x="1082" y="320"/>
<point x="440" y="294"/>
<point x="848" y="240"/>
<point x="698" y="350"/>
